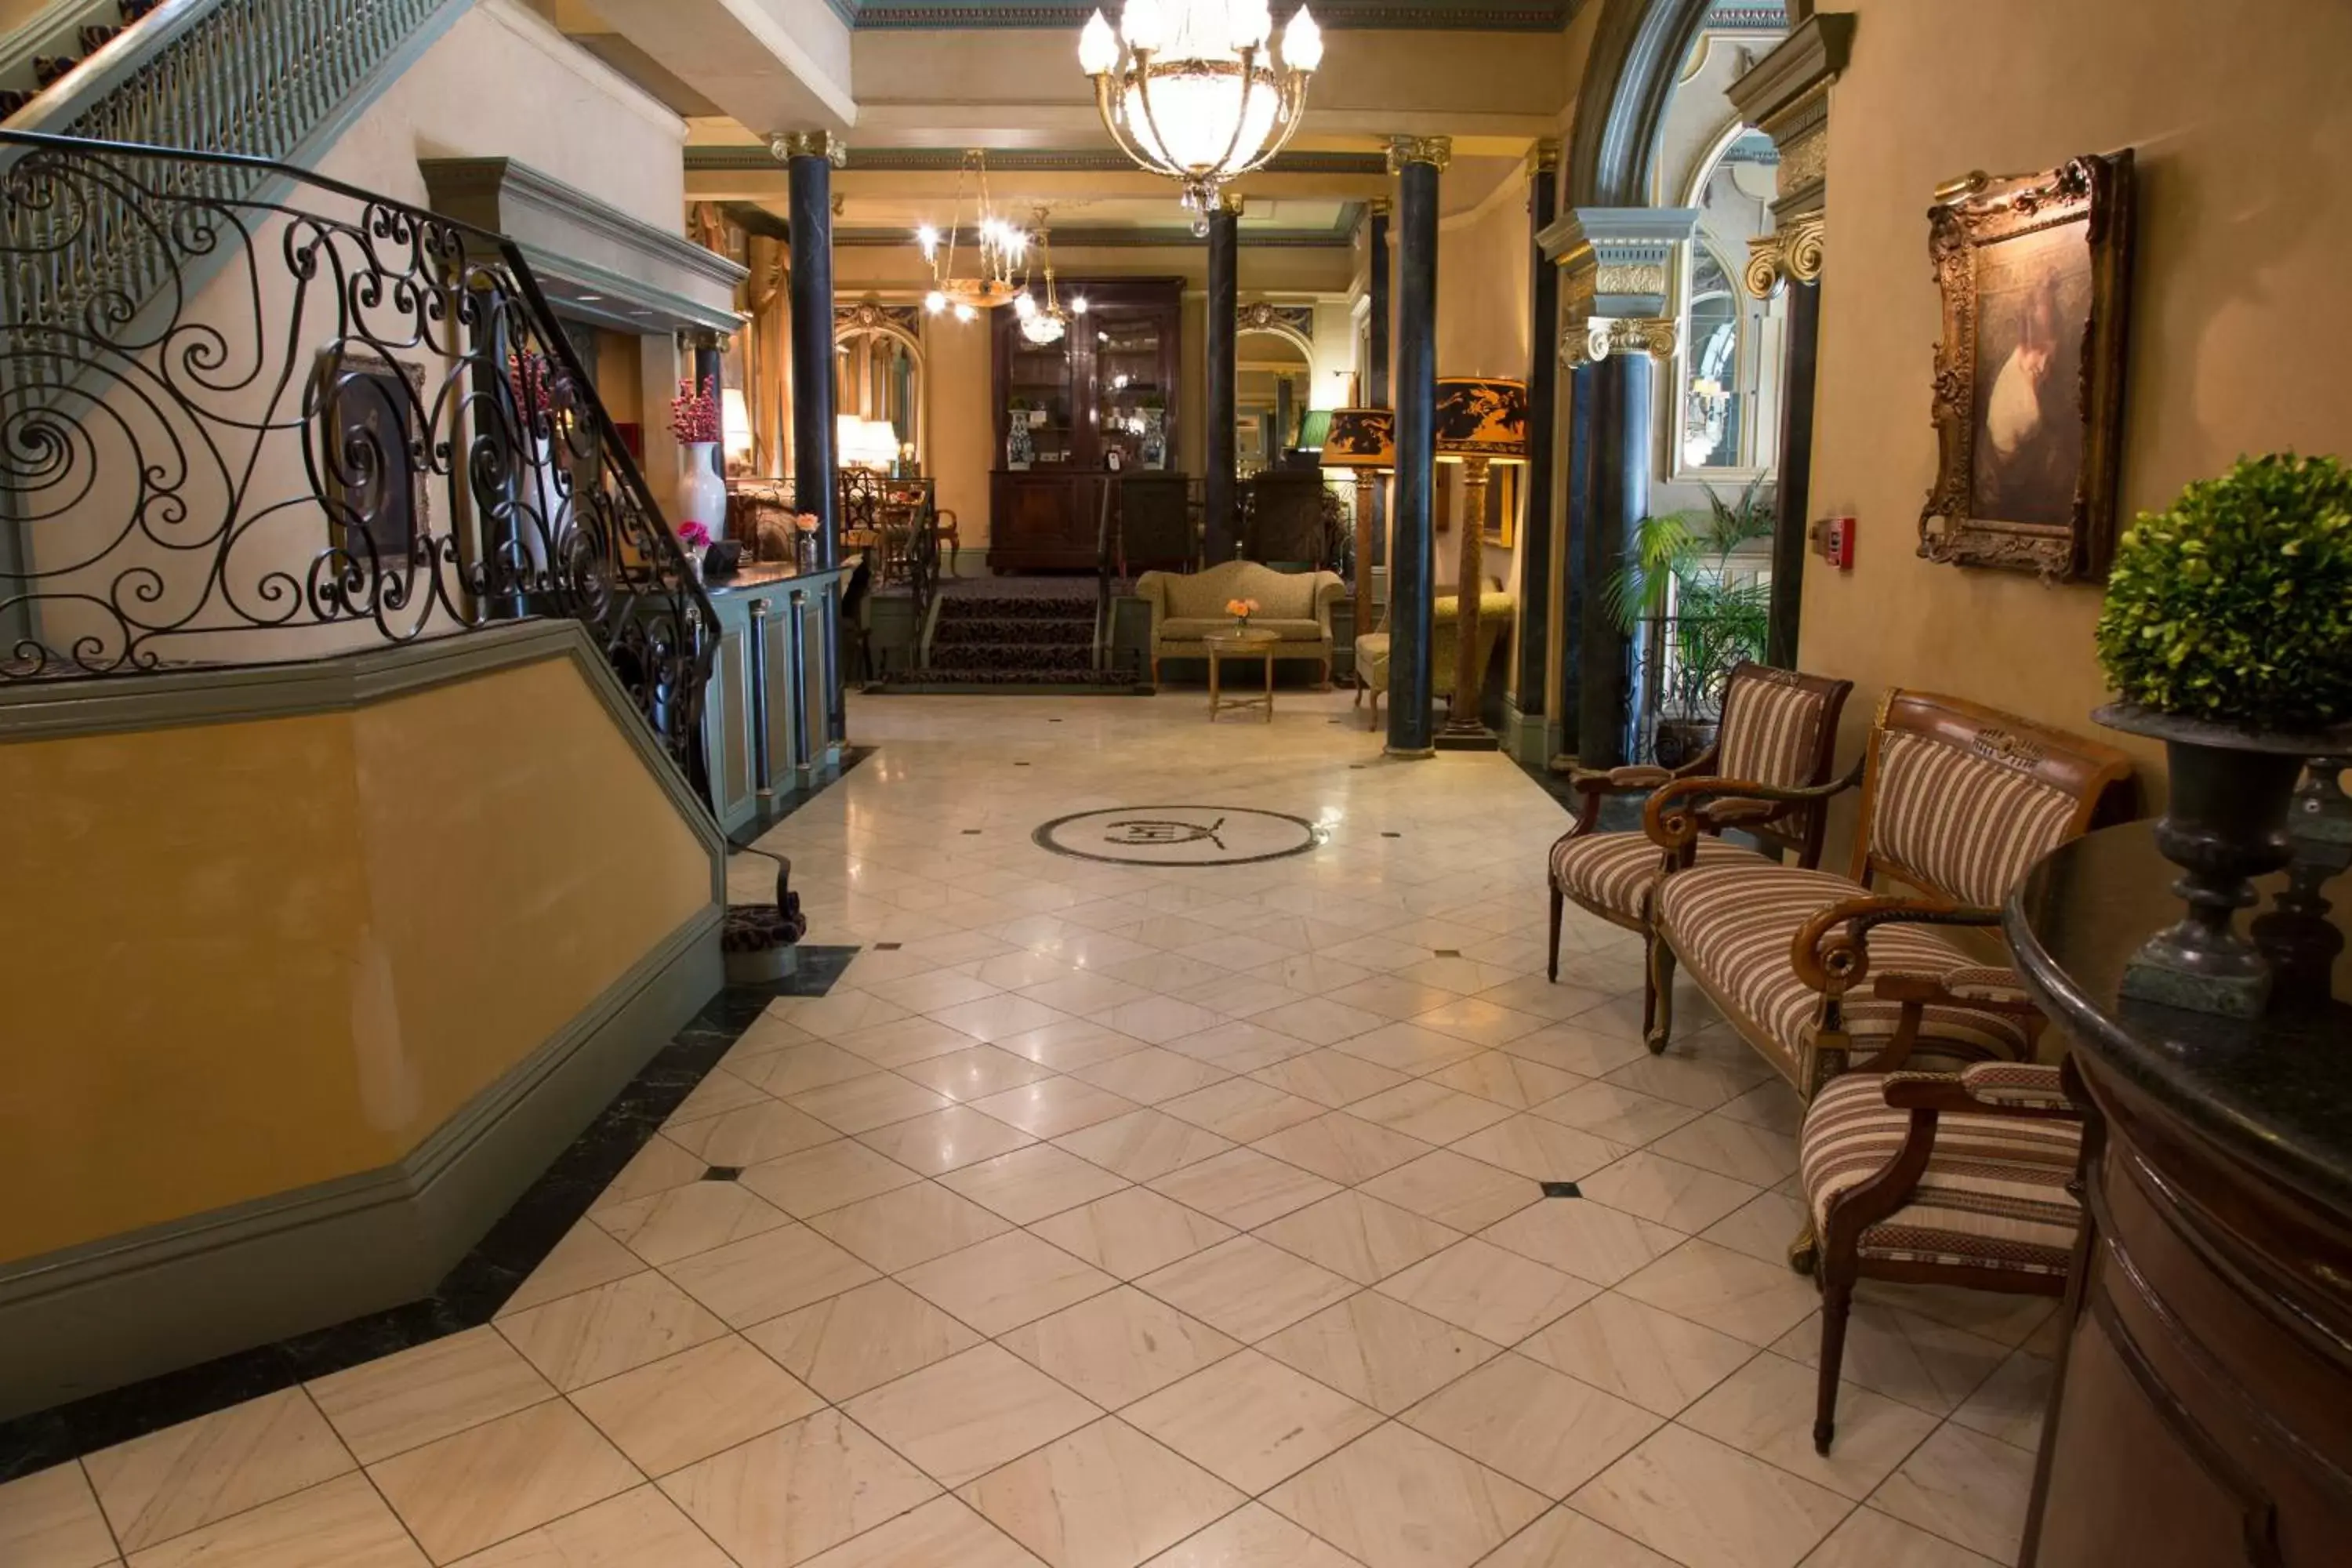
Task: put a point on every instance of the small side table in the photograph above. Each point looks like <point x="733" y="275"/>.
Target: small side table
<point x="1241" y="643"/>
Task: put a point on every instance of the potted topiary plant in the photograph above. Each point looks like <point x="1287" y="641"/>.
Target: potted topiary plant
<point x="2227" y="635"/>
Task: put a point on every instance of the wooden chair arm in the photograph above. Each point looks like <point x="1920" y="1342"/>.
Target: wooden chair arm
<point x="1673" y="819"/>
<point x="1833" y="962"/>
<point x="1926" y="1096"/>
<point x="1596" y="783"/>
<point x="1941" y="1092"/>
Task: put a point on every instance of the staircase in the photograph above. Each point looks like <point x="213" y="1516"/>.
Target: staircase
<point x="1038" y="635"/>
<point x="52" y="43"/>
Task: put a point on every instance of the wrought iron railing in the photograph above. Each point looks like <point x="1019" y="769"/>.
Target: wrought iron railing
<point x="339" y="421"/>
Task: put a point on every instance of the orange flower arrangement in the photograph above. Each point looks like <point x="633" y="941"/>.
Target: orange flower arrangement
<point x="1241" y="610"/>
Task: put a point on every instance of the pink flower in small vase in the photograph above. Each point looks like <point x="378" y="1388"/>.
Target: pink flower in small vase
<point x="694" y="536"/>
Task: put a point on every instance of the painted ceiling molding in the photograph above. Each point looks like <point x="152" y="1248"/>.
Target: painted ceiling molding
<point x="737" y="157"/>
<point x="1445" y="16"/>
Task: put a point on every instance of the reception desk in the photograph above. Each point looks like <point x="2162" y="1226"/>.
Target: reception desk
<point x="2203" y="1411"/>
<point x="764" y="726"/>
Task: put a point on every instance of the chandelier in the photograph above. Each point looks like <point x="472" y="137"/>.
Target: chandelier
<point x="1195" y="93"/>
<point x="1046" y="323"/>
<point x="1003" y="250"/>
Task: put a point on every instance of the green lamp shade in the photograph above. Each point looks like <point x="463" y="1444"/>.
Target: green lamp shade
<point x="1359" y="438"/>
<point x="1313" y="429"/>
<point x="1479" y="416"/>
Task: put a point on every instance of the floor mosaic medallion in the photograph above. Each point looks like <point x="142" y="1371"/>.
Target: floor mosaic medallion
<point x="1180" y="835"/>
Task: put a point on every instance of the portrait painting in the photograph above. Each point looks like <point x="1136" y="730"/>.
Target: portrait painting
<point x="2027" y="398"/>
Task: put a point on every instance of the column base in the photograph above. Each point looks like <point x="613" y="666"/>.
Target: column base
<point x="1409" y="756"/>
<point x="1526" y="736"/>
<point x="1469" y="738"/>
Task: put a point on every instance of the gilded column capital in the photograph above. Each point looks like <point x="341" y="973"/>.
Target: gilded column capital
<point x="786" y="145"/>
<point x="1543" y="158"/>
<point x="1790" y="255"/>
<point x="1231" y="201"/>
<point x="1435" y="151"/>
<point x="1380" y="207"/>
<point x="1597" y="337"/>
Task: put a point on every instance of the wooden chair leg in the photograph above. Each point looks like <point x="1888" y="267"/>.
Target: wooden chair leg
<point x="1837" y="1300"/>
<point x="1658" y="1000"/>
<point x="1552" y="972"/>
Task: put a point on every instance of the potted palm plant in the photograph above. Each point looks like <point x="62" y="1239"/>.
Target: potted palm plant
<point x="1679" y="589"/>
<point x="2227" y="634"/>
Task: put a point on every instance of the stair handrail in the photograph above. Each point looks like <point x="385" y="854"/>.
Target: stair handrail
<point x="548" y="514"/>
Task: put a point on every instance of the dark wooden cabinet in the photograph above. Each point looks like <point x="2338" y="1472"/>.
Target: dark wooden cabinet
<point x="1073" y="415"/>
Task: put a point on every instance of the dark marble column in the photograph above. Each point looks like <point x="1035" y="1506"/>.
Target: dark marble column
<point x="810" y="157"/>
<point x="1619" y="498"/>
<point x="1576" y="586"/>
<point x="1376" y="353"/>
<point x="1218" y="514"/>
<point x="1795" y="495"/>
<point x="1536" y="566"/>
<point x="1417" y="162"/>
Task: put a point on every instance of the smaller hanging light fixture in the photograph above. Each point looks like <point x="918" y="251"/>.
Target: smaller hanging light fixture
<point x="1046" y="323"/>
<point x="1003" y="250"/>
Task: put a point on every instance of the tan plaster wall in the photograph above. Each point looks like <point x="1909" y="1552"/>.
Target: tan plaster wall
<point x="242" y="958"/>
<point x="2244" y="144"/>
<point x="1482" y="330"/>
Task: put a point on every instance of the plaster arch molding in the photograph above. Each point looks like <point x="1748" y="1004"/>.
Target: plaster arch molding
<point x="1267" y="318"/>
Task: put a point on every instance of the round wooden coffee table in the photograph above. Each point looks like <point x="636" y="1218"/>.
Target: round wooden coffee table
<point x="1241" y="643"/>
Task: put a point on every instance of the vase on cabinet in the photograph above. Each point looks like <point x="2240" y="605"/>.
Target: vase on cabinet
<point x="703" y="497"/>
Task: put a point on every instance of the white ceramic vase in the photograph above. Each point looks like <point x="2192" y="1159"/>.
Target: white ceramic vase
<point x="703" y="497"/>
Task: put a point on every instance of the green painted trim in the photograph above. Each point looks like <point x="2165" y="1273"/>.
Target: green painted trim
<point x="1527" y="738"/>
<point x="92" y="1318"/>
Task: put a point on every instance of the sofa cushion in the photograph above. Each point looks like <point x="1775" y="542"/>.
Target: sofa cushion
<point x="1280" y="595"/>
<point x="1993" y="1195"/>
<point x="1192" y="629"/>
<point x="1733" y="927"/>
<point x="1613" y="874"/>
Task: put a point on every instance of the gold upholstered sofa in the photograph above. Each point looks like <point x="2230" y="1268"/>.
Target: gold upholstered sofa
<point x="1188" y="605"/>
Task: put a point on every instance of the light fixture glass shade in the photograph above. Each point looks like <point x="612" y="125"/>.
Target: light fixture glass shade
<point x="848" y="431"/>
<point x="1313" y="428"/>
<point x="1359" y="438"/>
<point x="1481" y="417"/>
<point x="734" y="420"/>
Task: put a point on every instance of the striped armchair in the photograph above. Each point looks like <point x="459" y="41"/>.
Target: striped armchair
<point x="1816" y="970"/>
<point x="1780" y="729"/>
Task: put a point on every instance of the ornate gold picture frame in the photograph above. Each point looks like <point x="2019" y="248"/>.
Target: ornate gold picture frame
<point x="2035" y="273"/>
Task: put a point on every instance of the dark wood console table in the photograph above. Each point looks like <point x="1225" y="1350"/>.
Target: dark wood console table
<point x="2203" y="1411"/>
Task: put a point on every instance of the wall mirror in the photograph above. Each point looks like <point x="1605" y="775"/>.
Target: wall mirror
<point x="879" y="368"/>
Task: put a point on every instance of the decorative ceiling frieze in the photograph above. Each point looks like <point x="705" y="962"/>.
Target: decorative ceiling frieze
<point x="736" y="157"/>
<point x="1445" y="16"/>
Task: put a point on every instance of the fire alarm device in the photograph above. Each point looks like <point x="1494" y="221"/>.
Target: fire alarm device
<point x="1833" y="538"/>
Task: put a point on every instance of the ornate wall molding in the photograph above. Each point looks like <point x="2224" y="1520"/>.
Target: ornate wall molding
<point x="871" y="316"/>
<point x="1265" y="316"/>
<point x="1790" y="255"/>
<point x="1787" y="95"/>
<point x="1435" y="150"/>
<point x="1631" y="278"/>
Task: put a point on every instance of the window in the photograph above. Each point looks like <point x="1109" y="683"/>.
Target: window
<point x="1726" y="417"/>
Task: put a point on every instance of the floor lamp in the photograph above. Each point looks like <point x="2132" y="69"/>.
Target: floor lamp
<point x="1481" y="421"/>
<point x="1362" y="441"/>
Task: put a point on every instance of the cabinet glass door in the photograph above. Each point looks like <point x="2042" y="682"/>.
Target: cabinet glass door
<point x="1131" y="401"/>
<point x="1040" y="408"/>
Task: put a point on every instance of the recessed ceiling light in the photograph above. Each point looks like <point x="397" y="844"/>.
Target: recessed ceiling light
<point x="585" y="298"/>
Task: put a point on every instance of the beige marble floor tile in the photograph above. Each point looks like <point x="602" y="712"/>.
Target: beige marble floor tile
<point x="975" y="1074"/>
<point x="1251" y="1420"/>
<point x="1246" y="1288"/>
<point x="1007" y="1281"/>
<point x="826" y="1177"/>
<point x="414" y="1396"/>
<point x="1103" y="1497"/>
<point x="1772" y="1104"/>
<point x="797" y="1069"/>
<point x="907" y="1041"/>
<point x="1590" y="1240"/>
<point x="1400" y="1047"/>
<point x="1766" y="1409"/>
<point x="1566" y="1539"/>
<point x="1031" y="1184"/>
<point x="1647" y="1184"/>
<point x="1072" y="1044"/>
<point x="1149" y="1077"/>
<point x="1701" y="1084"/>
<point x="1992" y="1315"/>
<point x="1395" y="1498"/>
<point x="1497" y="1295"/>
<point x="1429" y="1110"/>
<point x="1245" y="1188"/>
<point x="841" y="1011"/>
<point x="1572" y="1047"/>
<point x="1242" y="1109"/>
<point x="943" y="1533"/>
<point x="1758" y="1155"/>
<point x="200" y="1471"/>
<point x="1081" y="993"/>
<point x="1637" y="1352"/>
<point x="1341" y="1148"/>
<point x="1710" y="1506"/>
<point x="670" y="1413"/>
<point x="1253" y="1536"/>
<point x="945" y="1140"/>
<point x="1315" y="973"/>
<point x="683" y="1221"/>
<point x="753" y="1133"/>
<point x="2010" y="1404"/>
<point x="782" y="1498"/>
<point x="1330" y="1078"/>
<point x="1513" y="1082"/>
<point x="1478" y="1020"/>
<point x="1315" y="1018"/>
<point x="500" y="1479"/>
<point x="1144" y="1144"/>
<point x="1118" y="1346"/>
<point x="596" y="1334"/>
<point x="657" y="1167"/>
<point x="1965" y="1486"/>
<point x="1454" y="1190"/>
<point x="1761" y="1229"/>
<point x="768" y="1033"/>
<point x="1012" y="971"/>
<point x="50" y="1519"/>
<point x="766" y="1275"/>
<point x="639" y="1529"/>
<point x="1869" y="1538"/>
<point x="862" y="1339"/>
<point x="1540" y="1429"/>
<point x="1054" y="1106"/>
<point x="1904" y="1356"/>
<point x="1132" y="1232"/>
<point x="1361" y="1238"/>
<point x="963" y="1417"/>
<point x="876" y="1099"/>
<point x="994" y="1017"/>
<point x="1722" y="1289"/>
<point x="929" y="992"/>
<point x="584" y="1258"/>
<point x="909" y="1225"/>
<point x="343" y="1523"/>
<point x="1622" y="1116"/>
<point x="1380" y="1351"/>
<point x="718" y="1090"/>
<point x="1539" y="1150"/>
